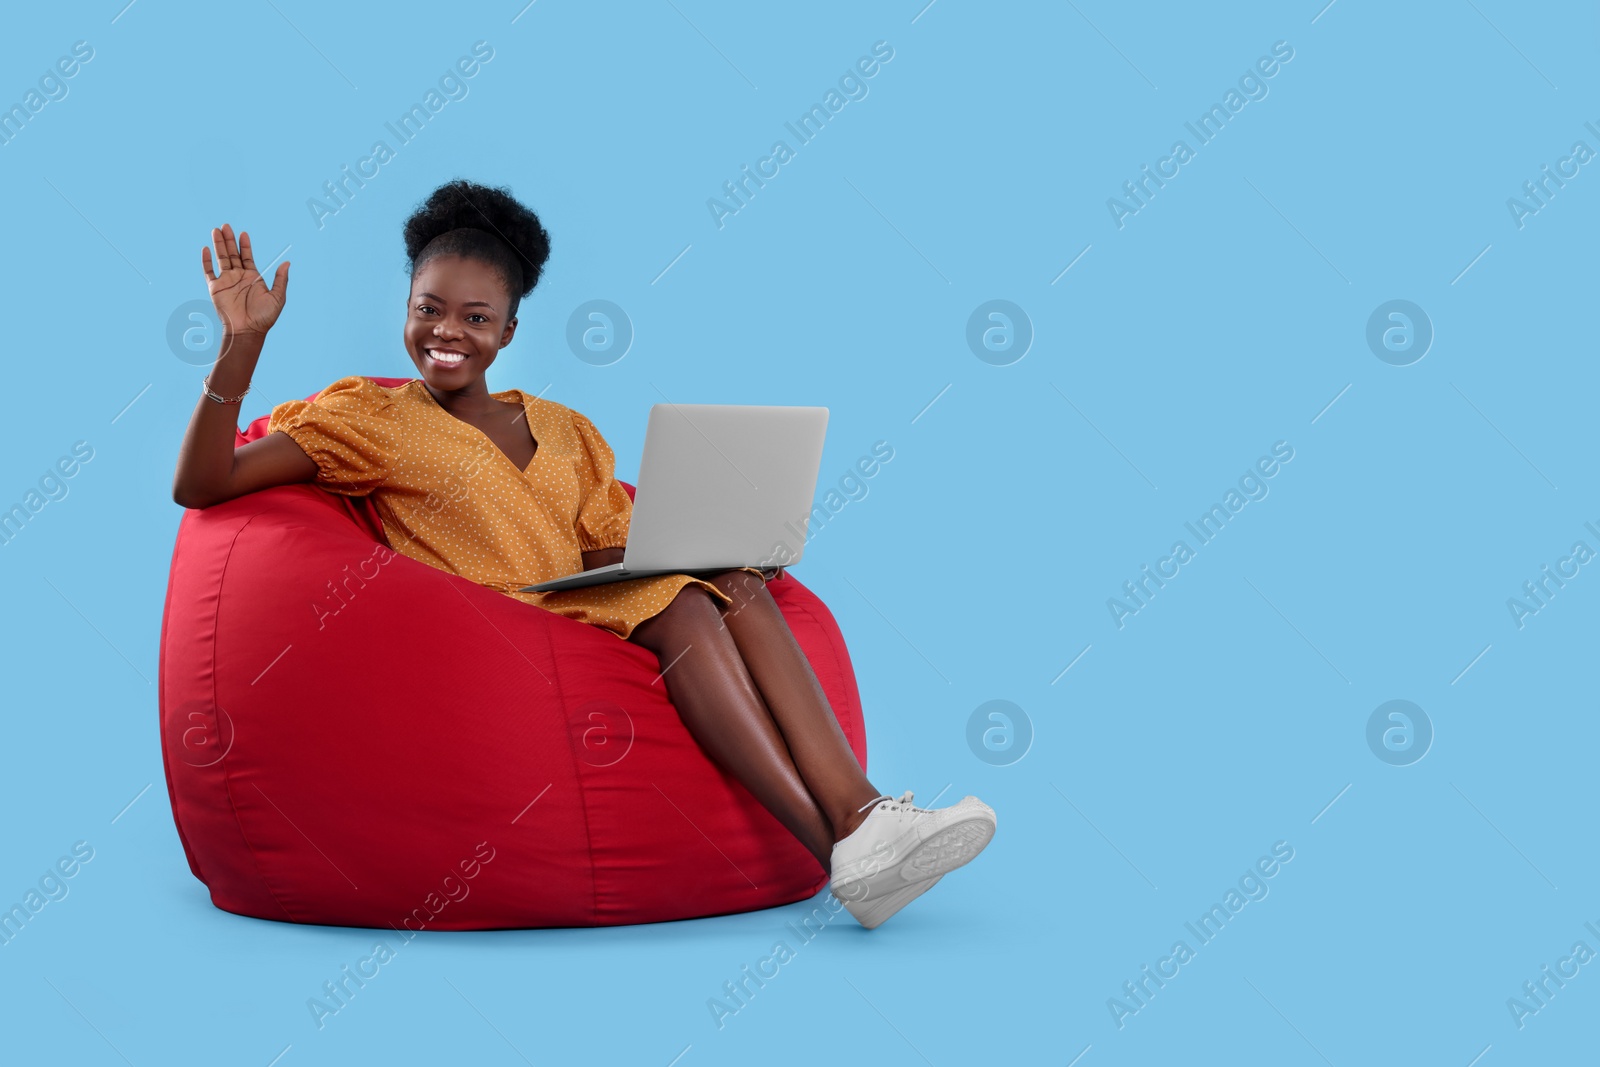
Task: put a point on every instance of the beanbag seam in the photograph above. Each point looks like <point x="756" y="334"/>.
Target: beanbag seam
<point x="227" y="777"/>
<point x="583" y="791"/>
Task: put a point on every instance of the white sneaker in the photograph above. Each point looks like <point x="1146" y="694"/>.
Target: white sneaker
<point x="900" y="851"/>
<point x="872" y="906"/>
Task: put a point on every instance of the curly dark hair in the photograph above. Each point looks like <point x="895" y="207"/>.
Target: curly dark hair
<point x="480" y="222"/>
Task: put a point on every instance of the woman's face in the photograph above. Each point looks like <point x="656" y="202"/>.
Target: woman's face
<point x="457" y="308"/>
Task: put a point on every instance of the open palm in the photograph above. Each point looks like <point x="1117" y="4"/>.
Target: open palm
<point x="242" y="299"/>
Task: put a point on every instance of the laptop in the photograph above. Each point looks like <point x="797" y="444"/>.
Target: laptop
<point x="720" y="486"/>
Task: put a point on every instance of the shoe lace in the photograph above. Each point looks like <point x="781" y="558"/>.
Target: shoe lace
<point x="903" y="803"/>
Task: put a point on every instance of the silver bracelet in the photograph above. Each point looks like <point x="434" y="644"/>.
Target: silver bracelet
<point x="205" y="387"/>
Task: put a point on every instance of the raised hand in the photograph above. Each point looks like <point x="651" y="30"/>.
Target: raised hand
<point x="242" y="299"/>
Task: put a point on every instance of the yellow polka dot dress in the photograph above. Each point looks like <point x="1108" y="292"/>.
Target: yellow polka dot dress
<point x="450" y="498"/>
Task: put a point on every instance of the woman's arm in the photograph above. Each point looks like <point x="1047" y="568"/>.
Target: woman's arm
<point x="210" y="470"/>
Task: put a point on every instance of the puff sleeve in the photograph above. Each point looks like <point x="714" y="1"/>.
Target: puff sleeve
<point x="604" y="508"/>
<point x="349" y="430"/>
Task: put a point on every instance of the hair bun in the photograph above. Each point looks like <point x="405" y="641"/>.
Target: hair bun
<point x="483" y="222"/>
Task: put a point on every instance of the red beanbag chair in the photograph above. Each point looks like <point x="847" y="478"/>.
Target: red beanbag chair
<point x="355" y="738"/>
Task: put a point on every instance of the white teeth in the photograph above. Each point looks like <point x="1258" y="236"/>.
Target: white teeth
<point x="445" y="357"/>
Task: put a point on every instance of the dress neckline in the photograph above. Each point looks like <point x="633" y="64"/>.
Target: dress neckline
<point x="522" y="398"/>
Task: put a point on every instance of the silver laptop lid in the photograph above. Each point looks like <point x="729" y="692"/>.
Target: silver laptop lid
<point x="725" y="485"/>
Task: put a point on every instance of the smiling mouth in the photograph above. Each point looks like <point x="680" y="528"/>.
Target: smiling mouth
<point x="445" y="357"/>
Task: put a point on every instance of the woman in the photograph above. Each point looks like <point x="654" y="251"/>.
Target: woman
<point x="506" y="490"/>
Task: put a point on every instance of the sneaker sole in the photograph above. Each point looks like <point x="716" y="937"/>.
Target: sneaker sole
<point x="871" y="912"/>
<point x="948" y="849"/>
<point x="954" y="846"/>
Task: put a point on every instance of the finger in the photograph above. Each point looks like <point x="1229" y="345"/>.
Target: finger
<point x="231" y="246"/>
<point x="222" y="251"/>
<point x="244" y="251"/>
<point x="280" y="281"/>
<point x="205" y="263"/>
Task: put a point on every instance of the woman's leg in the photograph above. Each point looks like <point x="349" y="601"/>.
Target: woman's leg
<point x="723" y="710"/>
<point x="796" y="700"/>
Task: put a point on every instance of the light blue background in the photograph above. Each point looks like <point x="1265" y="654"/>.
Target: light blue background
<point x="1228" y="314"/>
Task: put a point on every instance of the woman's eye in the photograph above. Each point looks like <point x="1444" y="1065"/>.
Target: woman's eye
<point x="426" y="308"/>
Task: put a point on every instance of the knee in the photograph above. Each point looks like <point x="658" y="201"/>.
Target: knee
<point x="692" y="606"/>
<point x="742" y="589"/>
